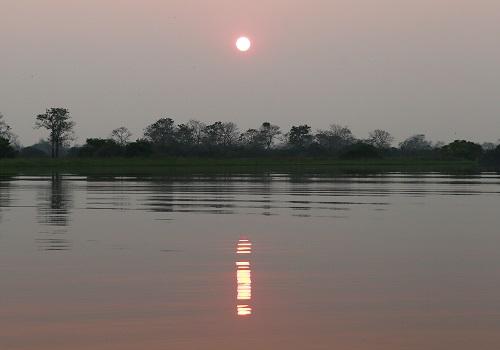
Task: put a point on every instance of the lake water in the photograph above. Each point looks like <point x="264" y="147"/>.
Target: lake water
<point x="273" y="261"/>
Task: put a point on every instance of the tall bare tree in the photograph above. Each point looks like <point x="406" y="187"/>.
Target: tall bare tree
<point x="121" y="136"/>
<point x="60" y="126"/>
<point x="380" y="139"/>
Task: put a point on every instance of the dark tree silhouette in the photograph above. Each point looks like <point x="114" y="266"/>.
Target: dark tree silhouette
<point x="101" y="148"/>
<point x="5" y="129"/>
<point x="300" y="136"/>
<point x="161" y="133"/>
<point x="335" y="139"/>
<point x="380" y="139"/>
<point x="463" y="149"/>
<point x="139" y="148"/>
<point x="252" y="139"/>
<point x="6" y="149"/>
<point x="415" y="144"/>
<point x="121" y="136"/>
<point x="269" y="132"/>
<point x="360" y="150"/>
<point x="58" y="122"/>
<point x="222" y="139"/>
<point x="185" y="135"/>
<point x="223" y="135"/>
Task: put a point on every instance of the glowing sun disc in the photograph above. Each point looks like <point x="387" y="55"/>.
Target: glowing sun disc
<point x="243" y="44"/>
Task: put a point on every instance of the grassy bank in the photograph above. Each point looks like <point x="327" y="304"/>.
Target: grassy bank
<point x="149" y="165"/>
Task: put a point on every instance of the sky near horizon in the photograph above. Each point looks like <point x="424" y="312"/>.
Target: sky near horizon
<point x="406" y="66"/>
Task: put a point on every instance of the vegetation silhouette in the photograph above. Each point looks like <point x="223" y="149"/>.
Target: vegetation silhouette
<point x="195" y="139"/>
<point x="60" y="126"/>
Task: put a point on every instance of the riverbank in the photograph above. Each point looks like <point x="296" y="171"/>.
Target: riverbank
<point x="147" y="165"/>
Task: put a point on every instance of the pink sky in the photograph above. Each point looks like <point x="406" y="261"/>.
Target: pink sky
<point x="406" y="66"/>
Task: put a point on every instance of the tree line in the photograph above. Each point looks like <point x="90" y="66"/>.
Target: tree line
<point x="224" y="139"/>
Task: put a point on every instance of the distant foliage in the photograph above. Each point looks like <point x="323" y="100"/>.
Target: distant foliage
<point x="463" y="150"/>
<point x="101" y="148"/>
<point x="415" y="144"/>
<point x="139" y="148"/>
<point x="335" y="139"/>
<point x="6" y="149"/>
<point x="224" y="139"/>
<point x="33" y="152"/>
<point x="361" y="150"/>
<point x="492" y="157"/>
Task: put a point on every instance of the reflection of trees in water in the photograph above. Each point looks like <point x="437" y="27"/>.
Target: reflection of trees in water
<point x="192" y="194"/>
<point x="54" y="209"/>
<point x="4" y="195"/>
<point x="251" y="193"/>
<point x="107" y="191"/>
<point x="300" y="194"/>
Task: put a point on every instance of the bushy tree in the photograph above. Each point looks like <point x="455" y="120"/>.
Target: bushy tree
<point x="463" y="149"/>
<point x="415" y="144"/>
<point x="161" y="133"/>
<point x="300" y="137"/>
<point x="60" y="126"/>
<point x="335" y="139"/>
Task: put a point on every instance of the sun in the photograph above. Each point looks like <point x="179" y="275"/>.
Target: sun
<point x="243" y="44"/>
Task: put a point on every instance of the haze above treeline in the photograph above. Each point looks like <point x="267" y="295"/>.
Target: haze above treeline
<point x="415" y="66"/>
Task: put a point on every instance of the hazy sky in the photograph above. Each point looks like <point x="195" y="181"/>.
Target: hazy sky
<point x="407" y="66"/>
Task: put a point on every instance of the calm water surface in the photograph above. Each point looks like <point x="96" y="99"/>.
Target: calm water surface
<point x="276" y="261"/>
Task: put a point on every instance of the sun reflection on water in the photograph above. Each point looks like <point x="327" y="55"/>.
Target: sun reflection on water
<point x="244" y="279"/>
